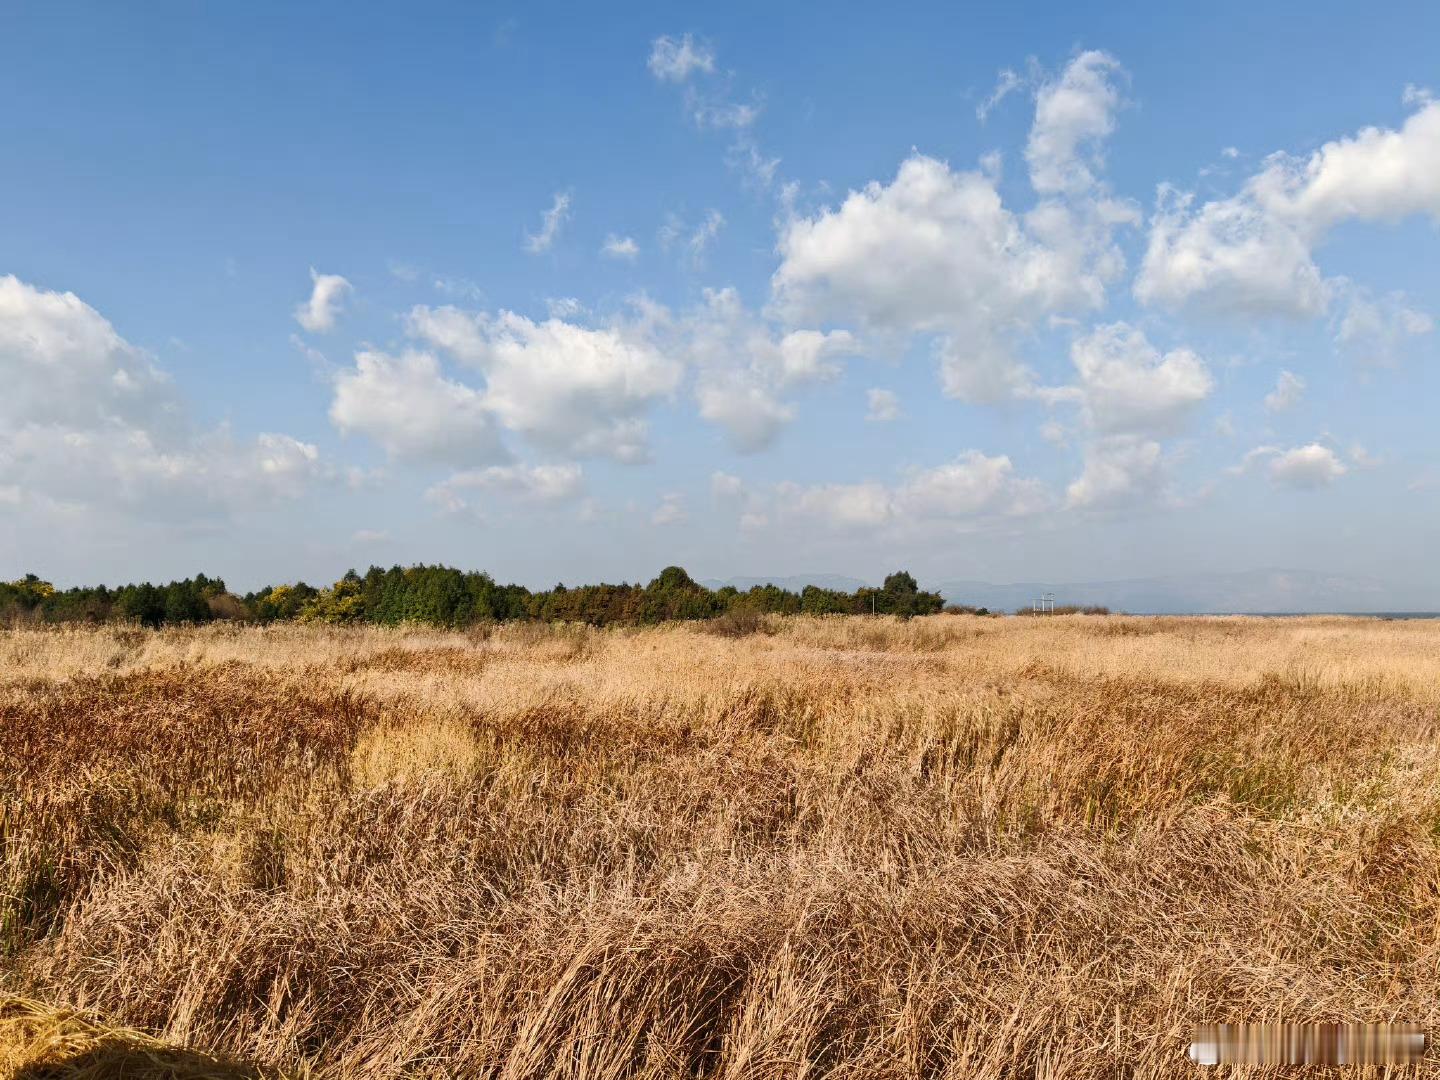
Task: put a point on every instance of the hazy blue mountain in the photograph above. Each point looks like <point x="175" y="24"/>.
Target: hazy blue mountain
<point x="1270" y="590"/>
<point x="794" y="582"/>
<point x="1258" y="591"/>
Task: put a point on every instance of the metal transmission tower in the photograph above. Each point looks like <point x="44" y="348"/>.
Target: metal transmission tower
<point x="1043" y="604"/>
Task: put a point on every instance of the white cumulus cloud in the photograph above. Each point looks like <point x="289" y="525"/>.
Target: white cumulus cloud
<point x="1119" y="471"/>
<point x="1073" y="114"/>
<point x="1126" y="386"/>
<point x="745" y="368"/>
<point x="750" y="414"/>
<point x="1300" y="467"/>
<point x="936" y="252"/>
<point x="408" y="406"/>
<point x="973" y="488"/>
<point x="1252" y="253"/>
<point x="570" y="389"/>
<point x="327" y="295"/>
<point x="1310" y="466"/>
<point x="1231" y="256"/>
<point x="90" y="423"/>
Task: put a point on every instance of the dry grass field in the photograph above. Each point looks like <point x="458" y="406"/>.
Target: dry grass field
<point x="957" y="847"/>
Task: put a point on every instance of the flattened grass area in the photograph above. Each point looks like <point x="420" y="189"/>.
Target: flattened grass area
<point x="954" y="847"/>
<point x="41" y="1042"/>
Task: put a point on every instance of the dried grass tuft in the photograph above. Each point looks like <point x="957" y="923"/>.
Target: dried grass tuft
<point x="39" y="1041"/>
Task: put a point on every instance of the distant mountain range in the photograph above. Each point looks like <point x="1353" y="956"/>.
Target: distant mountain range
<point x="1273" y="591"/>
<point x="794" y="583"/>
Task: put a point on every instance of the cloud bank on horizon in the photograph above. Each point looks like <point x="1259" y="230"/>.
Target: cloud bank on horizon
<point x="1023" y="354"/>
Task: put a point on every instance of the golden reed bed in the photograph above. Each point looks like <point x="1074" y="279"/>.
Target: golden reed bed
<point x="958" y="847"/>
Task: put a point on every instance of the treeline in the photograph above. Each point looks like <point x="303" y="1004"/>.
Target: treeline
<point x="194" y="600"/>
<point x="443" y="596"/>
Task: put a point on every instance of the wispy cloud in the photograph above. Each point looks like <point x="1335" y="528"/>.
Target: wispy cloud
<point x="675" y="60"/>
<point x="620" y="247"/>
<point x="551" y="222"/>
<point x="1007" y="83"/>
<point x="1289" y="389"/>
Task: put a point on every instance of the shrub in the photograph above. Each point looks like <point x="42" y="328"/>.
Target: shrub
<point x="739" y="621"/>
<point x="228" y="606"/>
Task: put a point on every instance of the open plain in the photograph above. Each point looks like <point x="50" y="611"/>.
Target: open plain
<point x="842" y="847"/>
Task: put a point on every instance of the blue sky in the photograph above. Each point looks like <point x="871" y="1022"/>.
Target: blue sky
<point x="1017" y="292"/>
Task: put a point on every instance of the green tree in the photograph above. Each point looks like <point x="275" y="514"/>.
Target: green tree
<point x="343" y="602"/>
<point x="901" y="595"/>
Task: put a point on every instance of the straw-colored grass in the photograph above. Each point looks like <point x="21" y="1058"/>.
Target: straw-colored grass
<point x="848" y="847"/>
<point x="38" y="1040"/>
